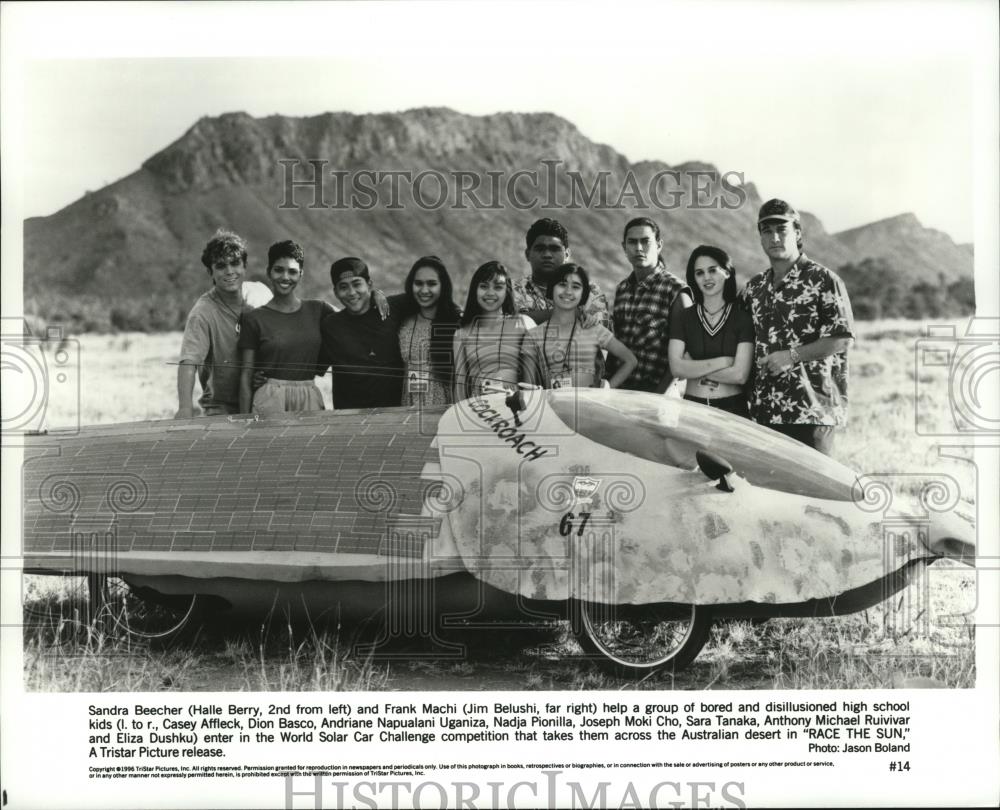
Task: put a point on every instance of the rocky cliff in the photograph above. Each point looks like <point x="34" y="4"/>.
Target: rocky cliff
<point x="140" y="238"/>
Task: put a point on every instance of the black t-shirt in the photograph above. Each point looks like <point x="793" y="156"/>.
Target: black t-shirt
<point x="701" y="344"/>
<point x="287" y="344"/>
<point x="364" y="353"/>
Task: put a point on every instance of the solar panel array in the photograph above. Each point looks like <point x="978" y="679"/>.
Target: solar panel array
<point x="332" y="482"/>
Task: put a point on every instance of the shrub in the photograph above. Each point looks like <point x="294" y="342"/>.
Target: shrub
<point x="878" y="290"/>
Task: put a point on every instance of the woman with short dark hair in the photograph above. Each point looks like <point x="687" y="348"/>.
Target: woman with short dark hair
<point x="282" y="340"/>
<point x="561" y="353"/>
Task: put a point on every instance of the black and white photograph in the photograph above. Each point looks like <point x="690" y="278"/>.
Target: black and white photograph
<point x="417" y="404"/>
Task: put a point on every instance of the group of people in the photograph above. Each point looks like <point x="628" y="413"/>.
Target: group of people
<point x="776" y="352"/>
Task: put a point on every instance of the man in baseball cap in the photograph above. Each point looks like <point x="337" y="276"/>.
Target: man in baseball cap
<point x="804" y="327"/>
<point x="778" y="210"/>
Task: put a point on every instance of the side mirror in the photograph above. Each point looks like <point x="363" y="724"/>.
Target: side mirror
<point x="515" y="401"/>
<point x="715" y="468"/>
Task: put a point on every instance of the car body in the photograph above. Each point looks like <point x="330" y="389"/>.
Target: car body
<point x="617" y="509"/>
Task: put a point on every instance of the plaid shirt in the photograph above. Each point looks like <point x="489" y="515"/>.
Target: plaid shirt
<point x="642" y="323"/>
<point x="529" y="298"/>
<point x="810" y="304"/>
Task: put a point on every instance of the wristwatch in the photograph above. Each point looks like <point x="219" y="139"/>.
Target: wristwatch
<point x="793" y="355"/>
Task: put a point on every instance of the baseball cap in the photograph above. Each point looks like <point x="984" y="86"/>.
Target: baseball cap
<point x="777" y="209"/>
<point x="352" y="265"/>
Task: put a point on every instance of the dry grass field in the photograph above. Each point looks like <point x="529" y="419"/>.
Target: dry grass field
<point x="923" y="633"/>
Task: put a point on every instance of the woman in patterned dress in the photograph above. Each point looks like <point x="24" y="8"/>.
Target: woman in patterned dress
<point x="426" y="335"/>
<point x="488" y="343"/>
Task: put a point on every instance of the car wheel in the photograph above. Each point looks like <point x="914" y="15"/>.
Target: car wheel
<point x="149" y="616"/>
<point x="633" y="641"/>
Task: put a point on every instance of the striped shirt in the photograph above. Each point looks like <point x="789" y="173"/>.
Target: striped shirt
<point x="642" y="322"/>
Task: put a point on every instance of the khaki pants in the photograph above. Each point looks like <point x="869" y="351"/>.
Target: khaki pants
<point x="284" y="396"/>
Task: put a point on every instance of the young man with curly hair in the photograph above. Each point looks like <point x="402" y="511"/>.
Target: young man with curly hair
<point x="209" y="347"/>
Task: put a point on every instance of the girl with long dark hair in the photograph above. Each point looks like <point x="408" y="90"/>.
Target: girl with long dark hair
<point x="488" y="343"/>
<point x="426" y="335"/>
<point x="711" y="344"/>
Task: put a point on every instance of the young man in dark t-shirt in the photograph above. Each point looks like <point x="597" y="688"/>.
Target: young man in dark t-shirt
<point x="361" y="347"/>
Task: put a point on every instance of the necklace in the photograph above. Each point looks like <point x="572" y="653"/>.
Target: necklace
<point x="558" y="356"/>
<point x="499" y="342"/>
<point x="421" y="348"/>
<point x="230" y="310"/>
<point x="712" y="322"/>
<point x="479" y="363"/>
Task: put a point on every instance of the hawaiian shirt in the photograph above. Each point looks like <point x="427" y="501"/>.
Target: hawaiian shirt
<point x="530" y="297"/>
<point x="642" y="322"/>
<point x="810" y="303"/>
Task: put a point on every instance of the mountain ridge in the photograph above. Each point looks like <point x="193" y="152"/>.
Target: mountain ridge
<point x="141" y="236"/>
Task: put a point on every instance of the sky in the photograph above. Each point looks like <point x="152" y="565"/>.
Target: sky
<point x="855" y="112"/>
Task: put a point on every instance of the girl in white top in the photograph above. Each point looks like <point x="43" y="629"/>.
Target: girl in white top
<point x="560" y="353"/>
<point x="488" y="341"/>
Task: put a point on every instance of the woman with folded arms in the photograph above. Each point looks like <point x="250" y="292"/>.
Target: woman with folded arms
<point x="711" y="344"/>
